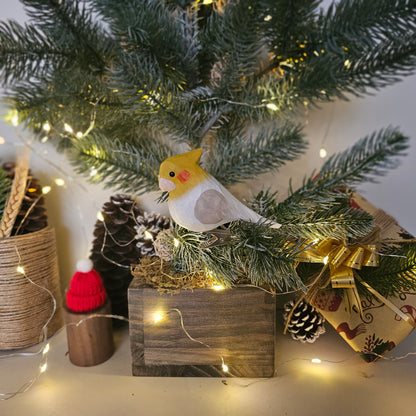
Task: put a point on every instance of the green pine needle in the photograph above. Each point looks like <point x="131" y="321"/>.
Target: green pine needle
<point x="131" y="168"/>
<point x="396" y="272"/>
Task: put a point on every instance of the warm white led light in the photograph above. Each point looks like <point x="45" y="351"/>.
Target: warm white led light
<point x="68" y="128"/>
<point x="79" y="134"/>
<point x="2" y="141"/>
<point x="46" y="190"/>
<point x="157" y="317"/>
<point x="322" y="153"/>
<point x="59" y="181"/>
<point x="20" y="269"/>
<point x="272" y="106"/>
<point x="148" y="235"/>
<point x="46" y="126"/>
<point x="46" y="349"/>
<point x="225" y="368"/>
<point x="100" y="216"/>
<point x="15" y="120"/>
<point x="176" y="242"/>
<point x="43" y="367"/>
<point x="218" y="287"/>
<point x="326" y="260"/>
<point x="316" y="361"/>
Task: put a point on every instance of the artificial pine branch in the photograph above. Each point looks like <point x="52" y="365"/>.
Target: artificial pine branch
<point x="358" y="45"/>
<point x="265" y="150"/>
<point x="132" y="168"/>
<point x="396" y="272"/>
<point x="254" y="252"/>
<point x="287" y="25"/>
<point x="70" y="22"/>
<point x="26" y="53"/>
<point x="368" y="159"/>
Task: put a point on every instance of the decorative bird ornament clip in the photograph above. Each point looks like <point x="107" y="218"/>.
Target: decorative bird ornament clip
<point x="197" y="201"/>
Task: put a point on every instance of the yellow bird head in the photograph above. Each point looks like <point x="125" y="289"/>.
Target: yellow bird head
<point x="178" y="174"/>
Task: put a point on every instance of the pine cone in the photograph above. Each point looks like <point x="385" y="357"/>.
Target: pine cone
<point x="121" y="240"/>
<point x="32" y="214"/>
<point x="162" y="248"/>
<point x="147" y="228"/>
<point x="306" y="323"/>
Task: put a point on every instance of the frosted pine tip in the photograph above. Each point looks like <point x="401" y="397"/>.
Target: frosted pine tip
<point x="84" y="266"/>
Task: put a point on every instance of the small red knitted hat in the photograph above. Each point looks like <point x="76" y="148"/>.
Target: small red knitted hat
<point x="86" y="290"/>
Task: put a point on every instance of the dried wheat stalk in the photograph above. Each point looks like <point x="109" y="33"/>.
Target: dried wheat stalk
<point x="17" y="193"/>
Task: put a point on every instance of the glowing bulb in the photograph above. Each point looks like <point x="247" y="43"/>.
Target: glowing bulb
<point x="68" y="128"/>
<point x="93" y="172"/>
<point x="218" y="287"/>
<point x="207" y="2"/>
<point x="59" y="181"/>
<point x="272" y="106"/>
<point x="323" y="153"/>
<point x="2" y="141"/>
<point x="15" y="119"/>
<point x="20" y="269"/>
<point x="316" y="361"/>
<point x="79" y="134"/>
<point x="176" y="242"/>
<point x="46" y="190"/>
<point x="100" y="216"/>
<point x="46" y="126"/>
<point x="43" y="367"/>
<point x="268" y="18"/>
<point x="46" y="349"/>
<point x="225" y="367"/>
<point x="326" y="260"/>
<point x="316" y="241"/>
<point x="157" y="317"/>
<point x="148" y="235"/>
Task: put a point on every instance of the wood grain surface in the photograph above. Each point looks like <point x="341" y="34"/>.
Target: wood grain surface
<point x="236" y="324"/>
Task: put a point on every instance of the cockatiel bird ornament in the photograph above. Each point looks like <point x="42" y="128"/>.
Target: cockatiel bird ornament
<point x="197" y="201"/>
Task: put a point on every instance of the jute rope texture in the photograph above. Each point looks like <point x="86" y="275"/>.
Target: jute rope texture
<point x="25" y="307"/>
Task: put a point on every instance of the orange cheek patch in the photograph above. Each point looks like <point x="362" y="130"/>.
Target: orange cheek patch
<point x="183" y="176"/>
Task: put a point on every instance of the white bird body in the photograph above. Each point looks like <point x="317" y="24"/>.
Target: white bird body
<point x="213" y="206"/>
<point x="197" y="201"/>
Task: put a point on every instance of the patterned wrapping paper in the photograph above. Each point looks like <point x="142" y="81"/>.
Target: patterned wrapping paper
<point x="381" y="324"/>
<point x="374" y="332"/>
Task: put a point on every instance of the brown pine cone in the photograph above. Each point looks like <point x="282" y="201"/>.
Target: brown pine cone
<point x="121" y="240"/>
<point x="147" y="228"/>
<point x="32" y="214"/>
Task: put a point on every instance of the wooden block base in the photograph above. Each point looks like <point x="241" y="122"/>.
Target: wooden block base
<point x="91" y="342"/>
<point x="236" y="325"/>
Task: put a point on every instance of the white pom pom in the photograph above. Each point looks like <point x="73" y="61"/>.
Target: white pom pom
<point x="84" y="266"/>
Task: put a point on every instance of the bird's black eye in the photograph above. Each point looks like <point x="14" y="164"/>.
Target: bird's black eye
<point x="172" y="174"/>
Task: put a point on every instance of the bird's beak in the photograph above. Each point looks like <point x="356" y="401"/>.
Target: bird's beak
<point x="166" y="185"/>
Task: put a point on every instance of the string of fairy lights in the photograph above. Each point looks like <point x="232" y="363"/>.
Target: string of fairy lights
<point x="158" y="316"/>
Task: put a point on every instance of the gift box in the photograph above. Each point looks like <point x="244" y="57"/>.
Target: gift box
<point x="201" y="331"/>
<point x="378" y="324"/>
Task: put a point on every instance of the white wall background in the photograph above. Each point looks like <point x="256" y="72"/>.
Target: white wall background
<point x="72" y="209"/>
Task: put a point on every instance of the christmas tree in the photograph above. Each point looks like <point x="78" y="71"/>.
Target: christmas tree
<point x="121" y="86"/>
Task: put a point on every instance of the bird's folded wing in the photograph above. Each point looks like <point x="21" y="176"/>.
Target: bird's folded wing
<point x="210" y="207"/>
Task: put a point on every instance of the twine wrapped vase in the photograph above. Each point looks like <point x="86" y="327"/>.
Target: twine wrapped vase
<point x="29" y="278"/>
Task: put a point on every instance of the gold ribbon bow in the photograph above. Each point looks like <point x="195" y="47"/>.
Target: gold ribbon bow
<point x="342" y="260"/>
